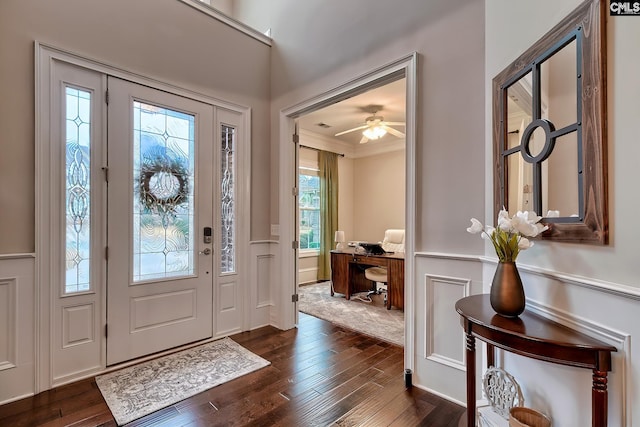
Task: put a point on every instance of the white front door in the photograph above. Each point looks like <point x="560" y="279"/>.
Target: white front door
<point x="160" y="216"/>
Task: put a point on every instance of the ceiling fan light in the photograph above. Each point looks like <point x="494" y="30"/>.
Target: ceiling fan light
<point x="374" y="132"/>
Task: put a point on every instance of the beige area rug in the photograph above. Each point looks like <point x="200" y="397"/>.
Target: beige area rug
<point x="369" y="319"/>
<point x="141" y="389"/>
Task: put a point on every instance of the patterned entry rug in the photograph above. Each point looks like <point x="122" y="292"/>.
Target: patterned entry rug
<point x="138" y="390"/>
<point x="368" y="318"/>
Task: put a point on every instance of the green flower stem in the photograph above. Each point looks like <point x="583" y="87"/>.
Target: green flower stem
<point x="505" y="244"/>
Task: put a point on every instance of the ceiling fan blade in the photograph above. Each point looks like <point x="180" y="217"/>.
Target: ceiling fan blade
<point x="394" y="132"/>
<point x="364" y="139"/>
<point x="395" y="123"/>
<point x="351" y="130"/>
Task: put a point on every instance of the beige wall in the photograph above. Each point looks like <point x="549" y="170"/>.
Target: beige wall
<point x="378" y="195"/>
<point x="346" y="197"/>
<point x="319" y="45"/>
<point x="164" y="39"/>
<point x="616" y="262"/>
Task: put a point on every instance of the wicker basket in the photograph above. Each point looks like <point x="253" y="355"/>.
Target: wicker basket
<point x="526" y="417"/>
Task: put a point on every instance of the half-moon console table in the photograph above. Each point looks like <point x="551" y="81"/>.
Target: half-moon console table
<point x="532" y="336"/>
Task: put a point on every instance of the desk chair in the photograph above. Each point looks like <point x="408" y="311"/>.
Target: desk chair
<point x="393" y="242"/>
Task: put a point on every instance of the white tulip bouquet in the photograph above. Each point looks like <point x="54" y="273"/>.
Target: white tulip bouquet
<point x="510" y="236"/>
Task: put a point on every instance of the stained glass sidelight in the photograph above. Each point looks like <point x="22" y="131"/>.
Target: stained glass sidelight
<point x="227" y="203"/>
<point x="163" y="201"/>
<point x="77" y="189"/>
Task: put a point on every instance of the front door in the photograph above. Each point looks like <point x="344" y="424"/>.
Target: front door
<point x="160" y="219"/>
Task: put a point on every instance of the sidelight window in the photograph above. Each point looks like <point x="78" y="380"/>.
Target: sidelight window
<point x="77" y="189"/>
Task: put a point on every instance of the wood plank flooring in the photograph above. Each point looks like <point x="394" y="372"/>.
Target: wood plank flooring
<point x="320" y="375"/>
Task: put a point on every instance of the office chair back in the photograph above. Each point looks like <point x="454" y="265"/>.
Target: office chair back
<point x="393" y="240"/>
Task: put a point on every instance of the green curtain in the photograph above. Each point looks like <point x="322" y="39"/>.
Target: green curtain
<point x="328" y="163"/>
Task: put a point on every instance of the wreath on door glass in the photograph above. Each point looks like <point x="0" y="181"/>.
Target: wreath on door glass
<point x="164" y="180"/>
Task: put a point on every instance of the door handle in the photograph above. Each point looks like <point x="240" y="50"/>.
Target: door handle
<point x="206" y="251"/>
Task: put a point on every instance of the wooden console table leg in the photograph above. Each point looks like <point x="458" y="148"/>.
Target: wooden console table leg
<point x="491" y="355"/>
<point x="471" y="380"/>
<point x="599" y="399"/>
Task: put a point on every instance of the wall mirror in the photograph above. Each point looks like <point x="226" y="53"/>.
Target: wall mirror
<point x="549" y="130"/>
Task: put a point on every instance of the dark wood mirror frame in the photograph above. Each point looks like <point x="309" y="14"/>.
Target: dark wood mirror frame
<point x="588" y="24"/>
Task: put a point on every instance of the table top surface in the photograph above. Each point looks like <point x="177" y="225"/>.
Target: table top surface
<point x="352" y="251"/>
<point x="529" y="326"/>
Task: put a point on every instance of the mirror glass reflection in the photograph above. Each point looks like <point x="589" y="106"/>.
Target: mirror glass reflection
<point x="549" y="129"/>
<point x="543" y="163"/>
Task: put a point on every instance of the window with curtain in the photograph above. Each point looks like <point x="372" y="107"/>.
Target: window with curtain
<point x="309" y="209"/>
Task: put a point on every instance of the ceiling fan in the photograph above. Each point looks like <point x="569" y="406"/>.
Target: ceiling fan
<point x="375" y="128"/>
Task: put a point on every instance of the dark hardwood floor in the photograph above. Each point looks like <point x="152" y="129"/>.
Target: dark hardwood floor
<point x="320" y="375"/>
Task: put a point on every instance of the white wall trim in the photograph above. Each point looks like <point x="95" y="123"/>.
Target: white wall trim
<point x="16" y="398"/>
<point x="444" y="396"/>
<point x="27" y="255"/>
<point x="225" y="19"/>
<point x="431" y="321"/>
<point x="448" y="256"/>
<point x="603" y="286"/>
<point x="308" y="254"/>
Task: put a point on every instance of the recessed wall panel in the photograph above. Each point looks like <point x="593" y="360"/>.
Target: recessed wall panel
<point x="445" y="341"/>
<point x="8" y="323"/>
<point x="264" y="279"/>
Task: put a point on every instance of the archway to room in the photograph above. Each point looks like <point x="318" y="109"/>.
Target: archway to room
<point x="399" y="75"/>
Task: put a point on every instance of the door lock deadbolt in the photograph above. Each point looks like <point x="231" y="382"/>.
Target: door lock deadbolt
<point x="207" y="235"/>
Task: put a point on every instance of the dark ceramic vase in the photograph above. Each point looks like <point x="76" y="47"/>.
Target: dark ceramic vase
<point x="507" y="293"/>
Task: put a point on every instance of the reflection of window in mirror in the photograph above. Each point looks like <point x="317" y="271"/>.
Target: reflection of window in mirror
<point x="558" y="93"/>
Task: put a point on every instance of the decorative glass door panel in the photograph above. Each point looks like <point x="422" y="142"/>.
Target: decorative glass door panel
<point x="77" y="185"/>
<point x="163" y="197"/>
<point x="160" y="202"/>
<point x="227" y="205"/>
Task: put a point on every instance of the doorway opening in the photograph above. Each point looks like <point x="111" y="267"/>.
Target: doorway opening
<point x="370" y="200"/>
<point x="400" y="73"/>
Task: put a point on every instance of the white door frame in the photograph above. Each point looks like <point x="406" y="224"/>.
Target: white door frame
<point x="403" y="67"/>
<point x="45" y="55"/>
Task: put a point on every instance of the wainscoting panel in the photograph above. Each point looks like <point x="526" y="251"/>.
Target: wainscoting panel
<point x="264" y="265"/>
<point x="602" y="310"/>
<point x="17" y="327"/>
<point x="441" y="280"/>
<point x="8" y="323"/>
<point x="262" y="279"/>
<point x="441" y="294"/>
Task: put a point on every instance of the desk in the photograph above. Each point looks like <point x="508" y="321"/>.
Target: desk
<point x="533" y="336"/>
<point x="347" y="274"/>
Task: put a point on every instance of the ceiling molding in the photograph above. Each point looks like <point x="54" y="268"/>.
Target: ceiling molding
<point x="351" y="151"/>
